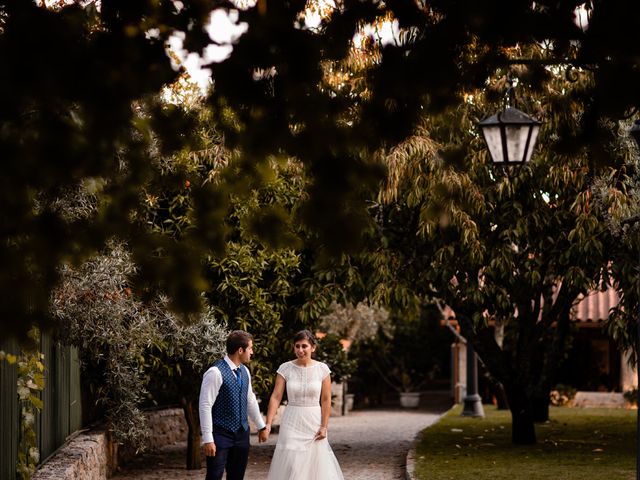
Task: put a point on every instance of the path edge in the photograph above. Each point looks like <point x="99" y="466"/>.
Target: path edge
<point x="410" y="463"/>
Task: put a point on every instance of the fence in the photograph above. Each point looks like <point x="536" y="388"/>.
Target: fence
<point x="62" y="411"/>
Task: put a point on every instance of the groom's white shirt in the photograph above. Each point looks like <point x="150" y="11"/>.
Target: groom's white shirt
<point x="211" y="383"/>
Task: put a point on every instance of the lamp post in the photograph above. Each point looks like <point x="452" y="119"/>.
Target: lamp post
<point x="634" y="131"/>
<point x="511" y="137"/>
<point x="472" y="401"/>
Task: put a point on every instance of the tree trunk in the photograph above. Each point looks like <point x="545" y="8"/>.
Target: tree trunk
<point x="193" y="440"/>
<point x="501" y="397"/>
<point x="506" y="371"/>
<point x="541" y="407"/>
<point x="522" y="427"/>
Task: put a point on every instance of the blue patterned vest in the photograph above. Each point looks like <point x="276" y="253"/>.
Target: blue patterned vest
<point x="230" y="408"/>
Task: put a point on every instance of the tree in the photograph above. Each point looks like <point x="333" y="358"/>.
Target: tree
<point x="175" y="359"/>
<point x="137" y="351"/>
<point x="435" y="207"/>
<point x="506" y="253"/>
<point x="355" y="323"/>
<point x="72" y="118"/>
<point x="128" y="347"/>
<point x="427" y="67"/>
<point x="268" y="278"/>
<point x="406" y="357"/>
<point x="617" y="196"/>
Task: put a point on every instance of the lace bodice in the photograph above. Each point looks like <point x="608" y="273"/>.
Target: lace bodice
<point x="304" y="384"/>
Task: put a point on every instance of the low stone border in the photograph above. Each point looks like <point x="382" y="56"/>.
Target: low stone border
<point x="411" y="462"/>
<point x="87" y="456"/>
<point x="599" y="400"/>
<point x="410" y="473"/>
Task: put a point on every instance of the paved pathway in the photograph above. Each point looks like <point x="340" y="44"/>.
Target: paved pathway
<point x="369" y="444"/>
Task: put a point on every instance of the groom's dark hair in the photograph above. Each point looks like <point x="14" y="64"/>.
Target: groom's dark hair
<point x="238" y="339"/>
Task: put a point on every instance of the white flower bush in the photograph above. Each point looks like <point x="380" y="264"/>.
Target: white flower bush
<point x="357" y="323"/>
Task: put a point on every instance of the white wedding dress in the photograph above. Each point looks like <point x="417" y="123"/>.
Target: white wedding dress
<point x="297" y="455"/>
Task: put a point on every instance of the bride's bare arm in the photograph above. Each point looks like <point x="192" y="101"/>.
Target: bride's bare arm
<point x="325" y="405"/>
<point x="276" y="398"/>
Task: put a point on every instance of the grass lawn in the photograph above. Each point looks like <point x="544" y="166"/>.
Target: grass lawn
<point x="576" y="444"/>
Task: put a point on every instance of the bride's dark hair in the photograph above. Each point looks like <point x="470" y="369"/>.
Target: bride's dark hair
<point x="305" y="335"/>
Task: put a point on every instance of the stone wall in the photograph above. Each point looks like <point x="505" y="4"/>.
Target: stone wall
<point x="599" y="400"/>
<point x="88" y="456"/>
<point x="168" y="426"/>
<point x="91" y="456"/>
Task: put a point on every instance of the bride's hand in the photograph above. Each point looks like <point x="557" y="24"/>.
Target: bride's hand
<point x="322" y="433"/>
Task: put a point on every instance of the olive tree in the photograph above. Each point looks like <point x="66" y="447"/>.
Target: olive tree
<point x="132" y="351"/>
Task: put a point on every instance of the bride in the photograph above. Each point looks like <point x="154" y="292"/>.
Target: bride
<point x="303" y="451"/>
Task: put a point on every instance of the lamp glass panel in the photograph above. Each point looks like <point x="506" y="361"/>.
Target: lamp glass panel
<point x="494" y="142"/>
<point x="516" y="142"/>
<point x="535" y="129"/>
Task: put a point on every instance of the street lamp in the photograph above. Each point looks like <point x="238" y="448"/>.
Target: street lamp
<point x="511" y="136"/>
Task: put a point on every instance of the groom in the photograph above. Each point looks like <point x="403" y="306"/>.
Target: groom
<point x="226" y="400"/>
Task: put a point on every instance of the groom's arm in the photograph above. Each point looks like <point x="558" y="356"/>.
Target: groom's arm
<point x="211" y="382"/>
<point x="253" y="409"/>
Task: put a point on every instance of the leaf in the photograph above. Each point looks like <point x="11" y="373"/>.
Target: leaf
<point x="36" y="402"/>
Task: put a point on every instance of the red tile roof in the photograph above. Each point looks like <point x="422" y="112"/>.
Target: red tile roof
<point x="591" y="308"/>
<point x="595" y="307"/>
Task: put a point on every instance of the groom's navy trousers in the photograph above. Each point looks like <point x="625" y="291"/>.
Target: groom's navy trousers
<point x="232" y="450"/>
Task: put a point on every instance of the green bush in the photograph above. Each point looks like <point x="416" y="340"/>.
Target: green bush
<point x="631" y="396"/>
<point x="410" y="359"/>
<point x="331" y="352"/>
<point x="562" y="395"/>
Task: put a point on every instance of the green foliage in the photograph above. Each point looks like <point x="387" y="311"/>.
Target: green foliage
<point x="255" y="285"/>
<point x="332" y="352"/>
<point x="562" y="395"/>
<point x="98" y="313"/>
<point x="508" y="251"/>
<point x="252" y="287"/>
<point x="617" y="197"/>
<point x="407" y="358"/>
<point x="29" y="385"/>
<point x="127" y="347"/>
<point x="72" y="120"/>
<point x="177" y="355"/>
<point x="284" y="91"/>
<point x="631" y="396"/>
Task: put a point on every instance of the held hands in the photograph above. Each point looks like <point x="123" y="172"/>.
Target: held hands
<point x="210" y="449"/>
<point x="263" y="435"/>
<point x="322" y="433"/>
